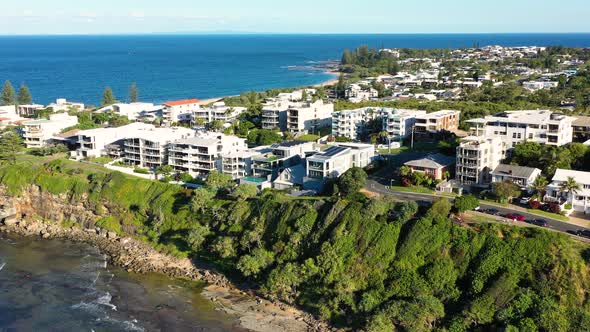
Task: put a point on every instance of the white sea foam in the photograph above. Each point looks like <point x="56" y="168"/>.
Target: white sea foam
<point x="2" y="266"/>
<point x="106" y="301"/>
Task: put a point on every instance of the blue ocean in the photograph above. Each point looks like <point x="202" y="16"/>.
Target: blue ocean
<point x="167" y="67"/>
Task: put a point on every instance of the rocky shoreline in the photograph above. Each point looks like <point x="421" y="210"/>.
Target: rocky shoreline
<point x="254" y="312"/>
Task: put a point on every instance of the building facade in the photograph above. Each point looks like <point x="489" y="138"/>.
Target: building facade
<point x="37" y="133"/>
<point x="352" y="124"/>
<point x="309" y="117"/>
<point x="477" y="157"/>
<point x="519" y="175"/>
<point x="431" y="123"/>
<point x="399" y="123"/>
<point x="580" y="200"/>
<point x="179" y="110"/>
<point x="149" y="148"/>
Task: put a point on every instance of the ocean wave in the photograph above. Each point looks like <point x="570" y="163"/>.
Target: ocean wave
<point x="2" y="265"/>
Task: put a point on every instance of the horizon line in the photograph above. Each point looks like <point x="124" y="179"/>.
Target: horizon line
<point x="210" y="33"/>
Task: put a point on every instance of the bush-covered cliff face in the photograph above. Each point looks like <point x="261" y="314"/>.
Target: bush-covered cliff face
<point x="363" y="264"/>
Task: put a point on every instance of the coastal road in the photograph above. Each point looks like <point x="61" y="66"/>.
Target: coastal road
<point x="376" y="184"/>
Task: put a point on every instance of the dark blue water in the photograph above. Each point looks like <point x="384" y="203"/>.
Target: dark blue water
<point x="181" y="66"/>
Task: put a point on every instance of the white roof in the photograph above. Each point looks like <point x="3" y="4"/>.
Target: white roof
<point x="579" y="176"/>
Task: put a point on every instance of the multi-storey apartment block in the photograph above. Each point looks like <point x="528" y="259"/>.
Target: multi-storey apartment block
<point x="179" y="110"/>
<point x="398" y="123"/>
<point x="336" y="160"/>
<point x="149" y="148"/>
<point x="267" y="165"/>
<point x="432" y="123"/>
<point x="513" y="127"/>
<point x="274" y="115"/>
<point x="37" y="133"/>
<point x="217" y="112"/>
<point x="308" y="117"/>
<point x="200" y="155"/>
<point x="477" y="157"/>
<point x="353" y="123"/>
<point x="94" y="142"/>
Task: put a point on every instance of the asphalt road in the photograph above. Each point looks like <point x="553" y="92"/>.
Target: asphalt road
<point x="377" y="185"/>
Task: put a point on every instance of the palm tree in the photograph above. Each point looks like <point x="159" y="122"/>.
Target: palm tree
<point x="571" y="187"/>
<point x="540" y="186"/>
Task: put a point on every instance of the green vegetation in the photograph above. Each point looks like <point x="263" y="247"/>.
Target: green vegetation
<point x="133" y="93"/>
<point x="548" y="158"/>
<point x="413" y="189"/>
<point x="360" y="263"/>
<point x="308" y="138"/>
<point x="48" y="150"/>
<point x="465" y="203"/>
<point x="8" y="96"/>
<point x="263" y="137"/>
<point x="91" y="120"/>
<point x="24" y="95"/>
<point x="100" y="160"/>
<point x="108" y="97"/>
<point x="10" y="145"/>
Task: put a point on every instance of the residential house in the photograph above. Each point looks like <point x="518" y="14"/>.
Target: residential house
<point x="357" y="93"/>
<point x="434" y="165"/>
<point x="179" y="110"/>
<point x="28" y="110"/>
<point x="202" y="154"/>
<point x="580" y="199"/>
<point x="309" y="117"/>
<point x="131" y="110"/>
<point x="477" y="157"/>
<point x="540" y="85"/>
<point x="581" y="129"/>
<point x="37" y="133"/>
<point x="519" y="175"/>
<point x="148" y="148"/>
<point x="63" y="105"/>
<point x="513" y="127"/>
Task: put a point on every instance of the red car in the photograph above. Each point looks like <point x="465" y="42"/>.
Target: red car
<point x="515" y="216"/>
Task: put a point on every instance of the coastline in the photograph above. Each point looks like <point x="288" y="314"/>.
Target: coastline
<point x="254" y="312"/>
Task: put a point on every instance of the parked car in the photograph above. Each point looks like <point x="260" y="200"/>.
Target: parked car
<point x="515" y="216"/>
<point x="493" y="212"/>
<point x="539" y="222"/>
<point x="524" y="200"/>
<point x="583" y="233"/>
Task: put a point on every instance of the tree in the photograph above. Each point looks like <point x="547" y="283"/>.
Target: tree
<point x="540" y="186"/>
<point x="252" y="264"/>
<point x="215" y="125"/>
<point x="165" y="170"/>
<point x="405" y="211"/>
<point x="197" y="236"/>
<point x="133" y="93"/>
<point x="405" y="171"/>
<point x="570" y="187"/>
<point x="216" y="180"/>
<point x="10" y="146"/>
<point x="245" y="191"/>
<point x="505" y="191"/>
<point x="201" y="199"/>
<point x="465" y="203"/>
<point x="24" y="95"/>
<point x="108" y="98"/>
<point x="8" y="94"/>
<point x="352" y="180"/>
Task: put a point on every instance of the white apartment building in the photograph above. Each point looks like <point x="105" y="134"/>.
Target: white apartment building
<point x="239" y="164"/>
<point x="513" y="127"/>
<point x="200" y="155"/>
<point x="278" y="157"/>
<point x="337" y="159"/>
<point x="274" y="114"/>
<point x="179" y="110"/>
<point x="131" y="110"/>
<point x="63" y="105"/>
<point x="540" y="85"/>
<point x="9" y="116"/>
<point x="37" y="133"/>
<point x="357" y="93"/>
<point x="477" y="157"/>
<point x="398" y="123"/>
<point x="579" y="200"/>
<point x="217" y="112"/>
<point x="306" y="117"/>
<point x="148" y="148"/>
<point x="353" y="123"/>
<point x="28" y="110"/>
<point x="94" y="142"/>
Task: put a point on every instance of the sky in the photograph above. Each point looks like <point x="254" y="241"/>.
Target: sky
<point x="299" y="16"/>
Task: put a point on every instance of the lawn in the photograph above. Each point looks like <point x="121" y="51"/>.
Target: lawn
<point x="490" y="202"/>
<point x="548" y="214"/>
<point x="100" y="160"/>
<point x="309" y="138"/>
<point x="413" y="189"/>
<point x="393" y="151"/>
